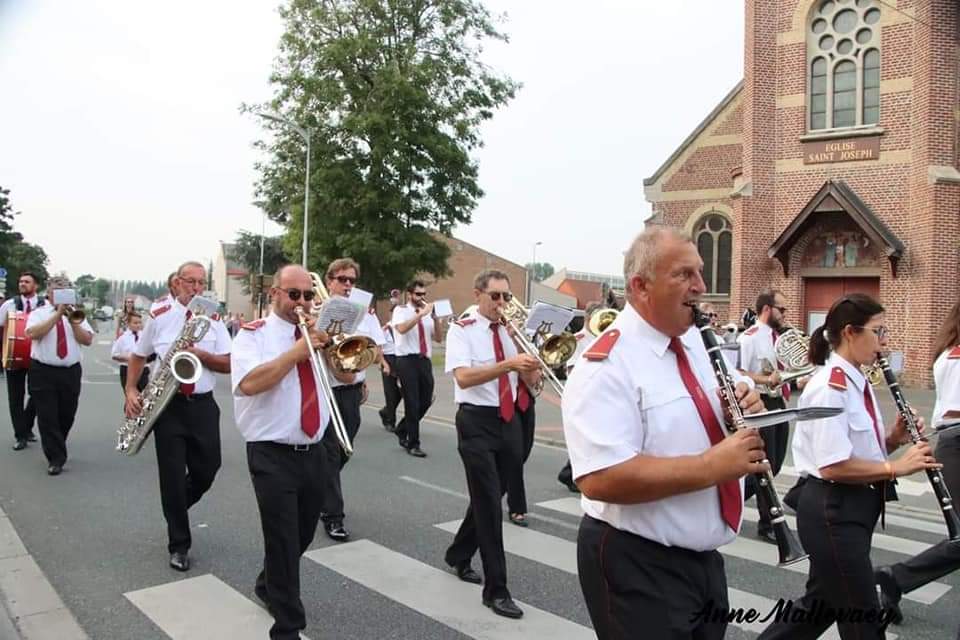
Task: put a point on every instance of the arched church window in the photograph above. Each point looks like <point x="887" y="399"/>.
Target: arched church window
<point x="713" y="236"/>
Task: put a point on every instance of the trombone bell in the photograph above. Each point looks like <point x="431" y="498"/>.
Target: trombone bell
<point x="600" y="320"/>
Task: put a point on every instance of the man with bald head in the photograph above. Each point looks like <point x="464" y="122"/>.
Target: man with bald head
<point x="282" y="414"/>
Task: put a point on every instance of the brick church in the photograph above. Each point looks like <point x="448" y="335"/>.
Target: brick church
<point x="832" y="167"/>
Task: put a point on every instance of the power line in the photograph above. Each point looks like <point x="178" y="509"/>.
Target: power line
<point x="890" y="6"/>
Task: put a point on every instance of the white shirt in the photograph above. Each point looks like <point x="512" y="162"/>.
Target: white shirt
<point x="946" y="379"/>
<point x="389" y="346"/>
<point x="635" y="403"/>
<point x="470" y="344"/>
<point x="756" y="345"/>
<point x="584" y="340"/>
<point x="273" y="415"/>
<point x="124" y="345"/>
<point x="821" y="443"/>
<point x="45" y="349"/>
<point x="409" y="343"/>
<point x="369" y="327"/>
<point x="163" y="330"/>
<point x="11" y="305"/>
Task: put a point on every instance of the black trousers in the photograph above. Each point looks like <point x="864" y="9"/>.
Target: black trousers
<point x="490" y="450"/>
<point x="416" y="384"/>
<point x="944" y="557"/>
<point x="187" y="437"/>
<point x="21" y="416"/>
<point x="348" y="401"/>
<point x="635" y="587"/>
<point x="516" y="491"/>
<point x="144" y="377"/>
<point x="391" y="392"/>
<point x="775" y="441"/>
<point x="288" y="483"/>
<point x="56" y="392"/>
<point x="835" y="522"/>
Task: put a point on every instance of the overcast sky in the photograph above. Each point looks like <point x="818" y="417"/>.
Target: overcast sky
<point x="122" y="143"/>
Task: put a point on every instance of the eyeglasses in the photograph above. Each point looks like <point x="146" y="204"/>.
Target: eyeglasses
<point x="294" y="294"/>
<point x="711" y="315"/>
<point x="193" y="283"/>
<point x="496" y="295"/>
<point x="782" y="310"/>
<point x="345" y="279"/>
<point x="881" y="332"/>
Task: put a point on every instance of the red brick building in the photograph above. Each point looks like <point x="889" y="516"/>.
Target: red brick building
<point x="832" y="167"/>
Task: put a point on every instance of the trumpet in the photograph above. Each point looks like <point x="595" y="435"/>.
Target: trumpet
<point x="348" y="353"/>
<point x="550" y="350"/>
<point x="601" y="319"/>
<point x="320" y="375"/>
<point x="75" y="314"/>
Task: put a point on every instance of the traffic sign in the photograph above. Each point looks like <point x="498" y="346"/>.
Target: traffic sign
<point x="3" y="272"/>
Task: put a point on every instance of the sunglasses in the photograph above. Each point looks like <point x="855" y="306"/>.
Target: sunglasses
<point x="345" y="279"/>
<point x="294" y="294"/>
<point x="782" y="310"/>
<point x="418" y="294"/>
<point x="496" y="295"/>
<point x="881" y="332"/>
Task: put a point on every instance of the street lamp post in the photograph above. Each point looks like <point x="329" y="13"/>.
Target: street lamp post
<point x="305" y="133"/>
<point x="263" y="235"/>
<point x="533" y="273"/>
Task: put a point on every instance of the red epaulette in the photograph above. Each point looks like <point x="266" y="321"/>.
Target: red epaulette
<point x="465" y="323"/>
<point x="160" y="311"/>
<point x="954" y="353"/>
<point x="215" y="316"/>
<point x="602" y="346"/>
<point x="253" y="326"/>
<point x="838" y="379"/>
<point x="752" y="330"/>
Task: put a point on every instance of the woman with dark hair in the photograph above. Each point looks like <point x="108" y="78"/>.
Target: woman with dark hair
<point x="943" y="558"/>
<point x="122" y="315"/>
<point x="844" y="474"/>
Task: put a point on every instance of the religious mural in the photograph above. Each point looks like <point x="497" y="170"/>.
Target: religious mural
<point x="840" y="247"/>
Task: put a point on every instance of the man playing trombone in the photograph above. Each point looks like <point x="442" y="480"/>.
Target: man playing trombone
<point x="282" y="414"/>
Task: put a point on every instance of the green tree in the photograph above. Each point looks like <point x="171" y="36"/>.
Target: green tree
<point x="246" y="252"/>
<point x="394" y="94"/>
<point x="25" y="257"/>
<point x="541" y="270"/>
<point x="99" y="290"/>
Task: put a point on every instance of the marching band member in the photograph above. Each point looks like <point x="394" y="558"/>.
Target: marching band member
<point x="843" y="463"/>
<point x="55" y="372"/>
<point x="122" y="316"/>
<point x="661" y="484"/>
<point x="485" y="366"/>
<point x="391" y="383"/>
<point x="187" y="433"/>
<point x="756" y="349"/>
<point x="348" y="390"/>
<point x="414" y="330"/>
<point x="21" y="416"/>
<point x="123" y="347"/>
<point x="944" y="557"/>
<point x="282" y="415"/>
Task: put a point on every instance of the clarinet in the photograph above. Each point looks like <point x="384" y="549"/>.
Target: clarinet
<point x="934" y="475"/>
<point x="787" y="543"/>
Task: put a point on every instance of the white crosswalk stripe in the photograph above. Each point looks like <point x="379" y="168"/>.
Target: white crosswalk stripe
<point x="439" y="594"/>
<point x="202" y="607"/>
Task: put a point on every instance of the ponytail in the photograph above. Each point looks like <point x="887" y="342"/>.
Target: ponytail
<point x="819" y="346"/>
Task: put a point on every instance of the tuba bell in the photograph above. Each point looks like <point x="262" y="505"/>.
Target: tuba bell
<point x="348" y="353"/>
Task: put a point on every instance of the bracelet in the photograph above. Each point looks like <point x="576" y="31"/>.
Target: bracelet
<point x="889" y="468"/>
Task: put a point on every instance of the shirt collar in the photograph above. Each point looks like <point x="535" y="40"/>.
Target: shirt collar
<point x="280" y="323"/>
<point x="763" y="327"/>
<point x="482" y="321"/>
<point x="632" y="321"/>
<point x="853" y="373"/>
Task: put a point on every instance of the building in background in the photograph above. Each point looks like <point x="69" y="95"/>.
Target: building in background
<point x="228" y="280"/>
<point x="585" y="287"/>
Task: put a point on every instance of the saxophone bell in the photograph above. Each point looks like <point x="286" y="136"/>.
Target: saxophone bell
<point x="185" y="367"/>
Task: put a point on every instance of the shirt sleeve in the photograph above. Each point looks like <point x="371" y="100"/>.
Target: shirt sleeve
<point x="747" y="354"/>
<point x="245" y="356"/>
<point x="458" y="349"/>
<point x="115" y="350"/>
<point x="374" y="331"/>
<point x="144" y="347"/>
<point x="223" y="344"/>
<point x="86" y="326"/>
<point x="601" y="417"/>
<point x="4" y="311"/>
<point x="829" y="437"/>
<point x="400" y="315"/>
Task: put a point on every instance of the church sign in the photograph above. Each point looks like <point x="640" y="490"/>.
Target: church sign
<point x="841" y="150"/>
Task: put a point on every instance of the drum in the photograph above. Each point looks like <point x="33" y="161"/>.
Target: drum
<point x="16" y="344"/>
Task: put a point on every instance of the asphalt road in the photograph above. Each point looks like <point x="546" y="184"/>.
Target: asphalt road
<point x="98" y="534"/>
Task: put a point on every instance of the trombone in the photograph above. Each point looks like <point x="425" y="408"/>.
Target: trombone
<point x="348" y="353"/>
<point x="550" y="350"/>
<point x="320" y="375"/>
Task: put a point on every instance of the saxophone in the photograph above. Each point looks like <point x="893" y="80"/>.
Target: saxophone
<point x="177" y="367"/>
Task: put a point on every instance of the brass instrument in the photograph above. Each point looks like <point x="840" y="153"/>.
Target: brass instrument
<point x="75" y="314"/>
<point x="348" y="353"/>
<point x="793" y="353"/>
<point x="601" y="319"/>
<point x="873" y="373"/>
<point x="551" y="350"/>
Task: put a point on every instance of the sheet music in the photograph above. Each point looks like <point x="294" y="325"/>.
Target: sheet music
<point x="361" y="297"/>
<point x="548" y="318"/>
<point x="199" y="305"/>
<point x="442" y="308"/>
<point x="340" y="315"/>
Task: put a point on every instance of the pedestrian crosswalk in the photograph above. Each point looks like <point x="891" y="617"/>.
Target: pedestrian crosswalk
<point x="207" y="607"/>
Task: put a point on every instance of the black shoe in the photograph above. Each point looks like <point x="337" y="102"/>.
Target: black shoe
<point x="403" y="442"/>
<point x="31" y="438"/>
<point x="180" y="561"/>
<point x="54" y="470"/>
<point x="416" y="452"/>
<point x="19" y="445"/>
<point x="766" y="534"/>
<point x="335" y="531"/>
<point x="570" y="484"/>
<point x="889" y="593"/>
<point x="504" y="607"/>
<point x="466" y="573"/>
<point x="389" y="425"/>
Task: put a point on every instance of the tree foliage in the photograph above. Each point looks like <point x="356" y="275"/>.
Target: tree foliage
<point x="393" y="94"/>
<point x="16" y="255"/>
<point x="246" y="252"/>
<point x="541" y="270"/>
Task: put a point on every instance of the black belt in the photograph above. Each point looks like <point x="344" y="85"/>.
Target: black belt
<point x="875" y="486"/>
<point x="415" y="355"/>
<point x="301" y="448"/>
<point x="193" y="397"/>
<point x="34" y="361"/>
<point x="348" y="386"/>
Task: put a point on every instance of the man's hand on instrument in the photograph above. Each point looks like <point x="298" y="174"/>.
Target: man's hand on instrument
<point x="916" y="458"/>
<point x="523" y="363"/>
<point x="774" y="380"/>
<point x="748" y="399"/>
<point x="900" y="435"/>
<point x="737" y="455"/>
<point x="318" y="339"/>
<point x="425" y="310"/>
<point x="132" y="406"/>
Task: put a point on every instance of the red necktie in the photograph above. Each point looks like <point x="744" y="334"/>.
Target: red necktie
<point x="136" y="337"/>
<point x="423" y="338"/>
<point x="786" y="387"/>
<point x="309" y="408"/>
<point x="503" y="382"/>
<point x="731" y="504"/>
<point x="868" y="401"/>
<point x="61" y="340"/>
<point x="28" y="306"/>
<point x="187" y="389"/>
